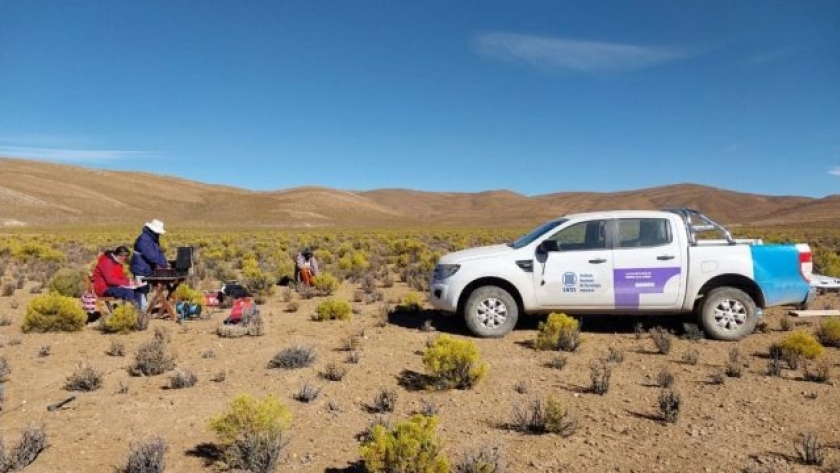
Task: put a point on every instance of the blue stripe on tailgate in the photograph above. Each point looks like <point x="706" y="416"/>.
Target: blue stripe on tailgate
<point x="776" y="270"/>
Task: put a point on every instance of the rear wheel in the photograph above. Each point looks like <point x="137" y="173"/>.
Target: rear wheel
<point x="491" y="312"/>
<point x="728" y="313"/>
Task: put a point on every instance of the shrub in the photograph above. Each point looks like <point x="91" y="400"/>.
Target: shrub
<point x="735" y="364"/>
<point x="412" y="301"/>
<point x="123" y="319"/>
<point x="485" y="459"/>
<point x="232" y="331"/>
<point x="152" y="358"/>
<point x="187" y="294"/>
<point x="558" y="332"/>
<point x="808" y="449"/>
<point x="802" y="344"/>
<point x="615" y="355"/>
<point x="307" y="393"/>
<point x="54" y="312"/>
<point x="333" y="309"/>
<point x="253" y="433"/>
<point x="600" y="373"/>
<point x="669" y="405"/>
<point x="259" y="282"/>
<point x="8" y="289"/>
<point x="32" y="442"/>
<point x="821" y="372"/>
<point x="5" y="370"/>
<point x="334" y="372"/>
<point x="829" y="332"/>
<point x="454" y="363"/>
<point x="558" y="362"/>
<point x="662" y="339"/>
<point x="386" y="401"/>
<point x="85" y="378"/>
<point x="146" y="456"/>
<point x="786" y="323"/>
<point x="353" y="357"/>
<point x="325" y="283"/>
<point x="665" y="378"/>
<point x="182" y="379"/>
<point x="691" y="357"/>
<point x="428" y="408"/>
<point x="293" y="358"/>
<point x="68" y="282"/>
<point x="409" y="446"/>
<point x="544" y="417"/>
<point x="774" y="367"/>
<point x="117" y="348"/>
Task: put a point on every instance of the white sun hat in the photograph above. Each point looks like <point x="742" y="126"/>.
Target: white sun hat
<point x="156" y="226"/>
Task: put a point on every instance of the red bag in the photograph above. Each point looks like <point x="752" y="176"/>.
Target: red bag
<point x="211" y="299"/>
<point x="240" y="308"/>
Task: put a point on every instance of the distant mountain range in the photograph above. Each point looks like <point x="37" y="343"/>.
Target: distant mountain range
<point x="35" y="193"/>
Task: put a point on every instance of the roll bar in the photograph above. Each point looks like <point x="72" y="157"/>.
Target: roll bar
<point x="696" y="222"/>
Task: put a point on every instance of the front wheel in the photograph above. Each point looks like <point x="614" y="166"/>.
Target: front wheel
<point x="491" y="312"/>
<point x="728" y="313"/>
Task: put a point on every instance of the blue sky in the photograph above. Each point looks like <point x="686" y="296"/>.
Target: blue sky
<point x="532" y="96"/>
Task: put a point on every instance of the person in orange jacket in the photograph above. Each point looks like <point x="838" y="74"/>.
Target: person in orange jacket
<point x="306" y="267"/>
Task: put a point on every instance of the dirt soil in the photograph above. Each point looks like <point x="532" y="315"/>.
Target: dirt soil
<point x="747" y="422"/>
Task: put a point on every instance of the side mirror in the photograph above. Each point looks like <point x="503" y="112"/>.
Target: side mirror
<point x="548" y="246"/>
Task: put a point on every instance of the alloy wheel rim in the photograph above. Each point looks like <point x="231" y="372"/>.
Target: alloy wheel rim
<point x="730" y="314"/>
<point x="492" y="312"/>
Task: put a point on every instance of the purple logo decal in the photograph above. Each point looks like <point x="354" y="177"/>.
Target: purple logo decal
<point x="631" y="282"/>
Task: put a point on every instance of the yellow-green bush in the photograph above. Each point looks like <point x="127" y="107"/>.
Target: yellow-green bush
<point x="122" y="319"/>
<point x="54" y="312"/>
<point x="187" y="294"/>
<point x="333" y="309"/>
<point x="829" y="332"/>
<point x="253" y="432"/>
<point x="259" y="283"/>
<point x="68" y="282"/>
<point x="412" y="301"/>
<point x="325" y="283"/>
<point x="454" y="363"/>
<point x="410" y="446"/>
<point x="801" y="343"/>
<point x="559" y="331"/>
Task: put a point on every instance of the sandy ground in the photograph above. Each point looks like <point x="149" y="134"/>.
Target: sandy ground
<point x="749" y="421"/>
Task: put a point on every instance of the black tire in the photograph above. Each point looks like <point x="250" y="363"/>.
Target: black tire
<point x="491" y="312"/>
<point x="728" y="313"/>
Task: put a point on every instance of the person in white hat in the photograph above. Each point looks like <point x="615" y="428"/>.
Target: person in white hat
<point x="148" y="254"/>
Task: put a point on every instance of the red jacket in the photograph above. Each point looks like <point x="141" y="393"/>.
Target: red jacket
<point x="108" y="273"/>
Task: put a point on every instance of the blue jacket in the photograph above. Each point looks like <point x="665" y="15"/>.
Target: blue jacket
<point x="147" y="254"/>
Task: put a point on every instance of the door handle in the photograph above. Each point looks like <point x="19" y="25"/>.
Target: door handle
<point x="665" y="257"/>
<point x="598" y="260"/>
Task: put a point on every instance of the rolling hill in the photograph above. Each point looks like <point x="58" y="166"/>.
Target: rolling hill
<point x="35" y="193"/>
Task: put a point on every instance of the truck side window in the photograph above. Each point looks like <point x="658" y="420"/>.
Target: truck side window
<point x="582" y="236"/>
<point x="643" y="232"/>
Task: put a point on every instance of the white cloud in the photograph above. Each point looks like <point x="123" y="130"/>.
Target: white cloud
<point x="67" y="155"/>
<point x="834" y="171"/>
<point x="573" y="55"/>
<point x="772" y="56"/>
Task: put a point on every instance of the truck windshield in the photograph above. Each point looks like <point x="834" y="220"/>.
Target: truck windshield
<point x="526" y="239"/>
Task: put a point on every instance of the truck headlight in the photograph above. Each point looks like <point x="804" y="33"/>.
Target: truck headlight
<point x="443" y="271"/>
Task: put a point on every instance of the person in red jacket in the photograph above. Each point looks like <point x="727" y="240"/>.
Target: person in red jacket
<point x="109" y="278"/>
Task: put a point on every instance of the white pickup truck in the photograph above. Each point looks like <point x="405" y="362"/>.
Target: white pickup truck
<point x="624" y="262"/>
